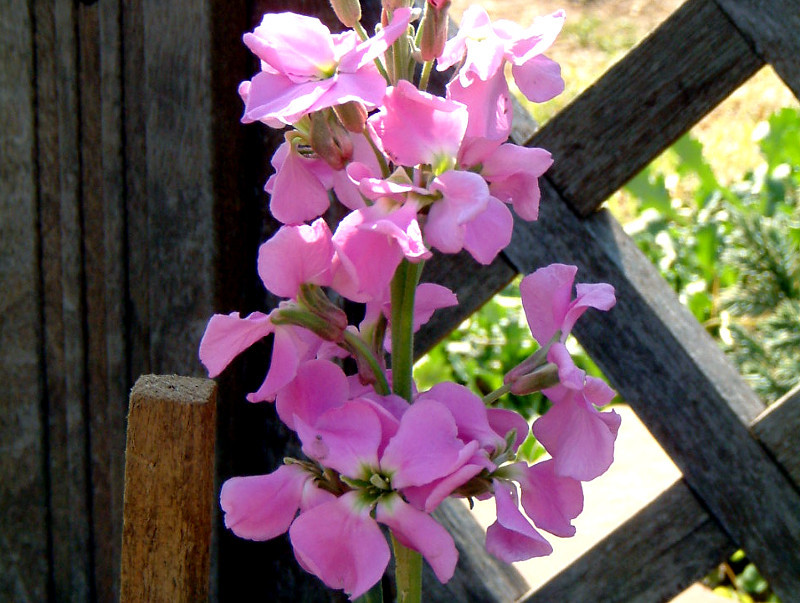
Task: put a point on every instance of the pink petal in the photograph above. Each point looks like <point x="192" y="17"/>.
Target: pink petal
<point x="227" y="336"/>
<point x="261" y="507"/>
<point x="341" y="544"/>
<point x="569" y="375"/>
<point x="425" y="447"/>
<point x="512" y="538"/>
<point x="489" y="105"/>
<point x="318" y="386"/>
<point x="579" y="438"/>
<point x="539" y="79"/>
<point x="552" y="501"/>
<point x="296" y="255"/>
<point x="419" y="531"/>
<point x="297" y="193"/>
<point x="419" y="128"/>
<point x="431" y="495"/>
<point x="468" y="411"/>
<point x="489" y="233"/>
<point x="596" y="295"/>
<point x="545" y="298"/>
<point x="288" y="350"/>
<point x="345" y="439"/>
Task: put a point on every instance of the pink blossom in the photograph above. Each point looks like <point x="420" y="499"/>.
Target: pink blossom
<point x="227" y="335"/>
<point x="296" y="255"/>
<point x="261" y="507"/>
<point x="488" y="103"/>
<point x="513" y="174"/>
<point x="304" y="68"/>
<point x="299" y="187"/>
<point x="467" y="217"/>
<point x="578" y="436"/>
<point x="419" y="128"/>
<point x="370" y="243"/>
<point x="476" y="44"/>
<point x="511" y="537"/>
<point x="546" y="298"/>
<point x="551" y="500"/>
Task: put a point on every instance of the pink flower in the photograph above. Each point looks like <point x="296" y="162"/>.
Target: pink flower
<point x="370" y="243"/>
<point x="353" y="439"/>
<point x="299" y="187"/>
<point x="227" y="335"/>
<point x="488" y="103"/>
<point x="304" y="68"/>
<point x="467" y="217"/>
<point x="579" y="437"/>
<point x="546" y="300"/>
<point x="484" y="47"/>
<point x="419" y="128"/>
<point x="296" y="255"/>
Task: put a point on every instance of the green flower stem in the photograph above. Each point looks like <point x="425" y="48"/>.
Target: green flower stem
<point x="427" y="67"/>
<point x="360" y="347"/>
<point x="404" y="286"/>
<point x="408" y="563"/>
<point x="373" y="595"/>
<point x="494" y="396"/>
<point x="408" y="572"/>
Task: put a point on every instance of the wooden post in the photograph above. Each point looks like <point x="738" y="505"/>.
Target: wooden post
<point x="169" y="482"/>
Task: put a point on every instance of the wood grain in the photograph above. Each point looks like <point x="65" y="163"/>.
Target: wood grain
<point x="771" y="29"/>
<point x="24" y="526"/>
<point x="169" y="490"/>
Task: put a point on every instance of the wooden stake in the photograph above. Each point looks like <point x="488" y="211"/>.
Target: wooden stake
<point x="169" y="482"/>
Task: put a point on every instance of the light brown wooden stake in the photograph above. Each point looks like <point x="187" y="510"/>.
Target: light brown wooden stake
<point x="169" y="481"/>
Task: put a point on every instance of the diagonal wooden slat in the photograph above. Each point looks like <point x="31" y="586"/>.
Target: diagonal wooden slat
<point x="772" y="29"/>
<point x="678" y="381"/>
<point x="645" y="102"/>
<point x="673" y="541"/>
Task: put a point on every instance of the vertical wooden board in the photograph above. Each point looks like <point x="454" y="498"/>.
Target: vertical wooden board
<point x="778" y="429"/>
<point x="179" y="187"/>
<point x="63" y="296"/>
<point x="23" y="495"/>
<point x="102" y="199"/>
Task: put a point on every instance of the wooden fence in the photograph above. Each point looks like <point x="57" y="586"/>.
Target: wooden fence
<point x="130" y="210"/>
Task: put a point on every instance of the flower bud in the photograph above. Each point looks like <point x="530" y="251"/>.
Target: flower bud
<point x="434" y="29"/>
<point x="353" y="115"/>
<point x="347" y="11"/>
<point x="537" y="380"/>
<point x="329" y="140"/>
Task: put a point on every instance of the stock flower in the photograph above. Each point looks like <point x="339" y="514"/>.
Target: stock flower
<point x="578" y="436"/>
<point x="548" y="304"/>
<point x="415" y="127"/>
<point x="488" y="103"/>
<point x="513" y="174"/>
<point x="228" y="335"/>
<point x="467" y="217"/>
<point x="379" y="457"/>
<point x="305" y="68"/>
<point x="482" y="48"/>
<point x="370" y="243"/>
<point x="296" y="255"/>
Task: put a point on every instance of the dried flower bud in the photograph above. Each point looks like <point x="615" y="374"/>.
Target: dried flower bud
<point x="347" y="11"/>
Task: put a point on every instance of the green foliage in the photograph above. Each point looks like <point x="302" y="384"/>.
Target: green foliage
<point x="732" y="253"/>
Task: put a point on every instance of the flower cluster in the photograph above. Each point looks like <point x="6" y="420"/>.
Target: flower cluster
<point x="417" y="172"/>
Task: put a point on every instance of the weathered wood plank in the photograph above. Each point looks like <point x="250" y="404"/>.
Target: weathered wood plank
<point x="655" y="555"/>
<point x="63" y="296"/>
<point x="673" y="541"/>
<point x="771" y="28"/>
<point x="169" y="490"/>
<point x="645" y="102"/>
<point x="23" y="437"/>
<point x="778" y="429"/>
<point x="102" y="202"/>
<point x="678" y="381"/>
